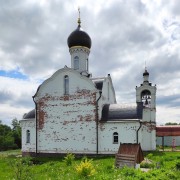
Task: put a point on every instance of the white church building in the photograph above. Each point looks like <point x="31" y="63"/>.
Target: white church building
<point x="78" y="113"/>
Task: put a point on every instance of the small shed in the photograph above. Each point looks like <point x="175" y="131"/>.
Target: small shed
<point x="129" y="155"/>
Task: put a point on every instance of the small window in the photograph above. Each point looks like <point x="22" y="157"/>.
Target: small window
<point x="28" y="136"/>
<point x="87" y="63"/>
<point x="76" y="62"/>
<point x="115" y="138"/>
<point x="66" y="84"/>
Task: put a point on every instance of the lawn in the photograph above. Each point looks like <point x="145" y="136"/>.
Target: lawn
<point x="165" y="165"/>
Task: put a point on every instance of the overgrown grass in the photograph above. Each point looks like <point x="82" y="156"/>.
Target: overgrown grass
<point x="12" y="166"/>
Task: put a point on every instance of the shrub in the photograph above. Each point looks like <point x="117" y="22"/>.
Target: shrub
<point x="178" y="165"/>
<point x="36" y="161"/>
<point x="20" y="168"/>
<point x="149" y="156"/>
<point x="69" y="159"/>
<point x="147" y="165"/>
<point x="110" y="168"/>
<point x="85" y="168"/>
<point x="178" y="157"/>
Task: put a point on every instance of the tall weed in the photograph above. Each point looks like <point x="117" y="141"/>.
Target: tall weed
<point x="69" y="159"/>
<point x="85" y="168"/>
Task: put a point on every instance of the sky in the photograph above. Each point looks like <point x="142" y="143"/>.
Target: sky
<point x="125" y="36"/>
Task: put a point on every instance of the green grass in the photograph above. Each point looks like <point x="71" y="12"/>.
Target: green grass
<point x="14" y="167"/>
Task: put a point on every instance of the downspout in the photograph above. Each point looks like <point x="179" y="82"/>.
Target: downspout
<point x="137" y="133"/>
<point x="97" y="119"/>
<point x="36" y="122"/>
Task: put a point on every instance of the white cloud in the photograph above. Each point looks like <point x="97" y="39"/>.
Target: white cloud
<point x="124" y="35"/>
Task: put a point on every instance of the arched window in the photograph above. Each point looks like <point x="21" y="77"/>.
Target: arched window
<point x="115" y="138"/>
<point x="146" y="98"/>
<point x="66" y="84"/>
<point x="28" y="136"/>
<point x="76" y="62"/>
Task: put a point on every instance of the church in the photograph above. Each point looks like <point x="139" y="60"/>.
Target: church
<point x="78" y="113"/>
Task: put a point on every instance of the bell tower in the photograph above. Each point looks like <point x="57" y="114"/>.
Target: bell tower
<point x="146" y="93"/>
<point x="79" y="43"/>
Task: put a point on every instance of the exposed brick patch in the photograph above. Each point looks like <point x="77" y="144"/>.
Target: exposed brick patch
<point x="79" y="99"/>
<point x="41" y="114"/>
<point x="101" y="126"/>
<point x="150" y="126"/>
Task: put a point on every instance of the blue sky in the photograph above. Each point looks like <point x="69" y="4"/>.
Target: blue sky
<point x="125" y="34"/>
<point x="13" y="74"/>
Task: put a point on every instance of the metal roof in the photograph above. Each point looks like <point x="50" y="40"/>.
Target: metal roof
<point x="167" y="130"/>
<point x="79" y="38"/>
<point x="30" y="115"/>
<point x="119" y="112"/>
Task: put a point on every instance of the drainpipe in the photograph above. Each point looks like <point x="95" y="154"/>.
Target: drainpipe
<point x="36" y="122"/>
<point x="137" y="137"/>
<point x="97" y="119"/>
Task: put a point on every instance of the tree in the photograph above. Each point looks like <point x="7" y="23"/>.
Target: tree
<point x="15" y="123"/>
<point x="6" y="138"/>
<point x="16" y="132"/>
<point x="10" y="138"/>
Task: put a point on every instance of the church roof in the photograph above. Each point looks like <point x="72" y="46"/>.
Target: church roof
<point x="145" y="73"/>
<point x="29" y="115"/>
<point x="121" y="112"/>
<point x="98" y="82"/>
<point x="79" y="38"/>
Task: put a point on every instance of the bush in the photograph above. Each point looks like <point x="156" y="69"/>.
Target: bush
<point x="178" y="165"/>
<point x="20" y="169"/>
<point x="147" y="165"/>
<point x="85" y="168"/>
<point x="69" y="159"/>
<point x="149" y="156"/>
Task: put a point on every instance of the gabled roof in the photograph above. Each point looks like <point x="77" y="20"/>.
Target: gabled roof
<point x="121" y="112"/>
<point x="98" y="82"/>
<point x="168" y="130"/>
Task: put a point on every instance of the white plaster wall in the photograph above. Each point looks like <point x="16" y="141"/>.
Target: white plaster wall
<point x="75" y="137"/>
<point x="67" y="122"/>
<point x="55" y="84"/>
<point x="82" y="53"/>
<point x="148" y="140"/>
<point x="28" y="125"/>
<point x="69" y="126"/>
<point x="149" y="114"/>
<point x="126" y="131"/>
<point x="107" y="90"/>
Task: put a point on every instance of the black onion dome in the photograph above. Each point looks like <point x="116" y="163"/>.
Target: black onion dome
<point x="79" y="38"/>
<point x="146" y="73"/>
